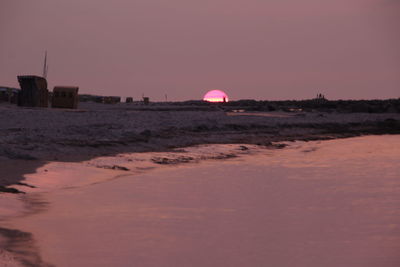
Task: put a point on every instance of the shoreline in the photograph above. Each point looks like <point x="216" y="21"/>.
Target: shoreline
<point x="13" y="173"/>
<point x="102" y="164"/>
<point x="19" y="248"/>
<point x="32" y="137"/>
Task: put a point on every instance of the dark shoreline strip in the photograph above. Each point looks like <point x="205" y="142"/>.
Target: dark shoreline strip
<point x="232" y="134"/>
<point x="11" y="190"/>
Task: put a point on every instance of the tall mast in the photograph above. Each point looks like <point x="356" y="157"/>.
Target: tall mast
<point x="45" y="67"/>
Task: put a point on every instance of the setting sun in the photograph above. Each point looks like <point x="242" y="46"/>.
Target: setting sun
<point x="216" y="96"/>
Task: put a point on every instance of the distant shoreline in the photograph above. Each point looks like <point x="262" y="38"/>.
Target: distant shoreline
<point x="29" y="137"/>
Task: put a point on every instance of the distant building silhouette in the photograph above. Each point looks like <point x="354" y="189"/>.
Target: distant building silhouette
<point x="320" y="99"/>
<point x="8" y="94"/>
<point x="111" y="99"/>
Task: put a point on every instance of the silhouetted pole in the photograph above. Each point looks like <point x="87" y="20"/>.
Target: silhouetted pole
<point x="45" y="67"/>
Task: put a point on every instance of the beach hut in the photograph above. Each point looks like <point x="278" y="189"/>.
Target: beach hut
<point x="8" y="94"/>
<point x="13" y="95"/>
<point x="90" y="98"/>
<point x="3" y="94"/>
<point x="65" y="97"/>
<point x="98" y="99"/>
<point x="33" y="92"/>
<point x="111" y="99"/>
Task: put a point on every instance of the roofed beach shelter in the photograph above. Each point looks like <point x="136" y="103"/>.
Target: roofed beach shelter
<point x="9" y="94"/>
<point x="33" y="92"/>
<point x="65" y="97"/>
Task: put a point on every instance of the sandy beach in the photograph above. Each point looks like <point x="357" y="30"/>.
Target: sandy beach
<point x="319" y="203"/>
<point x="48" y="154"/>
<point x="199" y="133"/>
<point x="37" y="135"/>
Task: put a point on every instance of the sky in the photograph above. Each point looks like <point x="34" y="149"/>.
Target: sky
<point x="251" y="49"/>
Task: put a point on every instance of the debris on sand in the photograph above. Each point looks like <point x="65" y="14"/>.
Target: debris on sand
<point x="114" y="167"/>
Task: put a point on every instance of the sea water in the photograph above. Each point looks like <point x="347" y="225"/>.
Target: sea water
<point x="328" y="203"/>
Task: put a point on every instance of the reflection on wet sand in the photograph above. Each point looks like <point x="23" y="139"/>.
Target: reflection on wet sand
<point x="332" y="203"/>
<point x="18" y="248"/>
<point x="22" y="249"/>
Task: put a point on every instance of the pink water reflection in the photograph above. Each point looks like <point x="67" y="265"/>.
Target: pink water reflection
<point x="333" y="203"/>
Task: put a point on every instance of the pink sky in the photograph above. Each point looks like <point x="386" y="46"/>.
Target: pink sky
<point x="253" y="49"/>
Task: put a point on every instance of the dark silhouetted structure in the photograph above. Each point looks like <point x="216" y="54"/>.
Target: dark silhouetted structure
<point x="65" y="97"/>
<point x="146" y="100"/>
<point x="33" y="92"/>
<point x="129" y="100"/>
<point x="111" y="99"/>
<point x="8" y="94"/>
<point x="90" y="98"/>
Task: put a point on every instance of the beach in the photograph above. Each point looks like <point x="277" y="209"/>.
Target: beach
<point x="318" y="203"/>
<point x="31" y="136"/>
<point x="199" y="133"/>
<point x="121" y="161"/>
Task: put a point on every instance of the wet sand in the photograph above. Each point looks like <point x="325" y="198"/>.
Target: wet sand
<point x="330" y="203"/>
